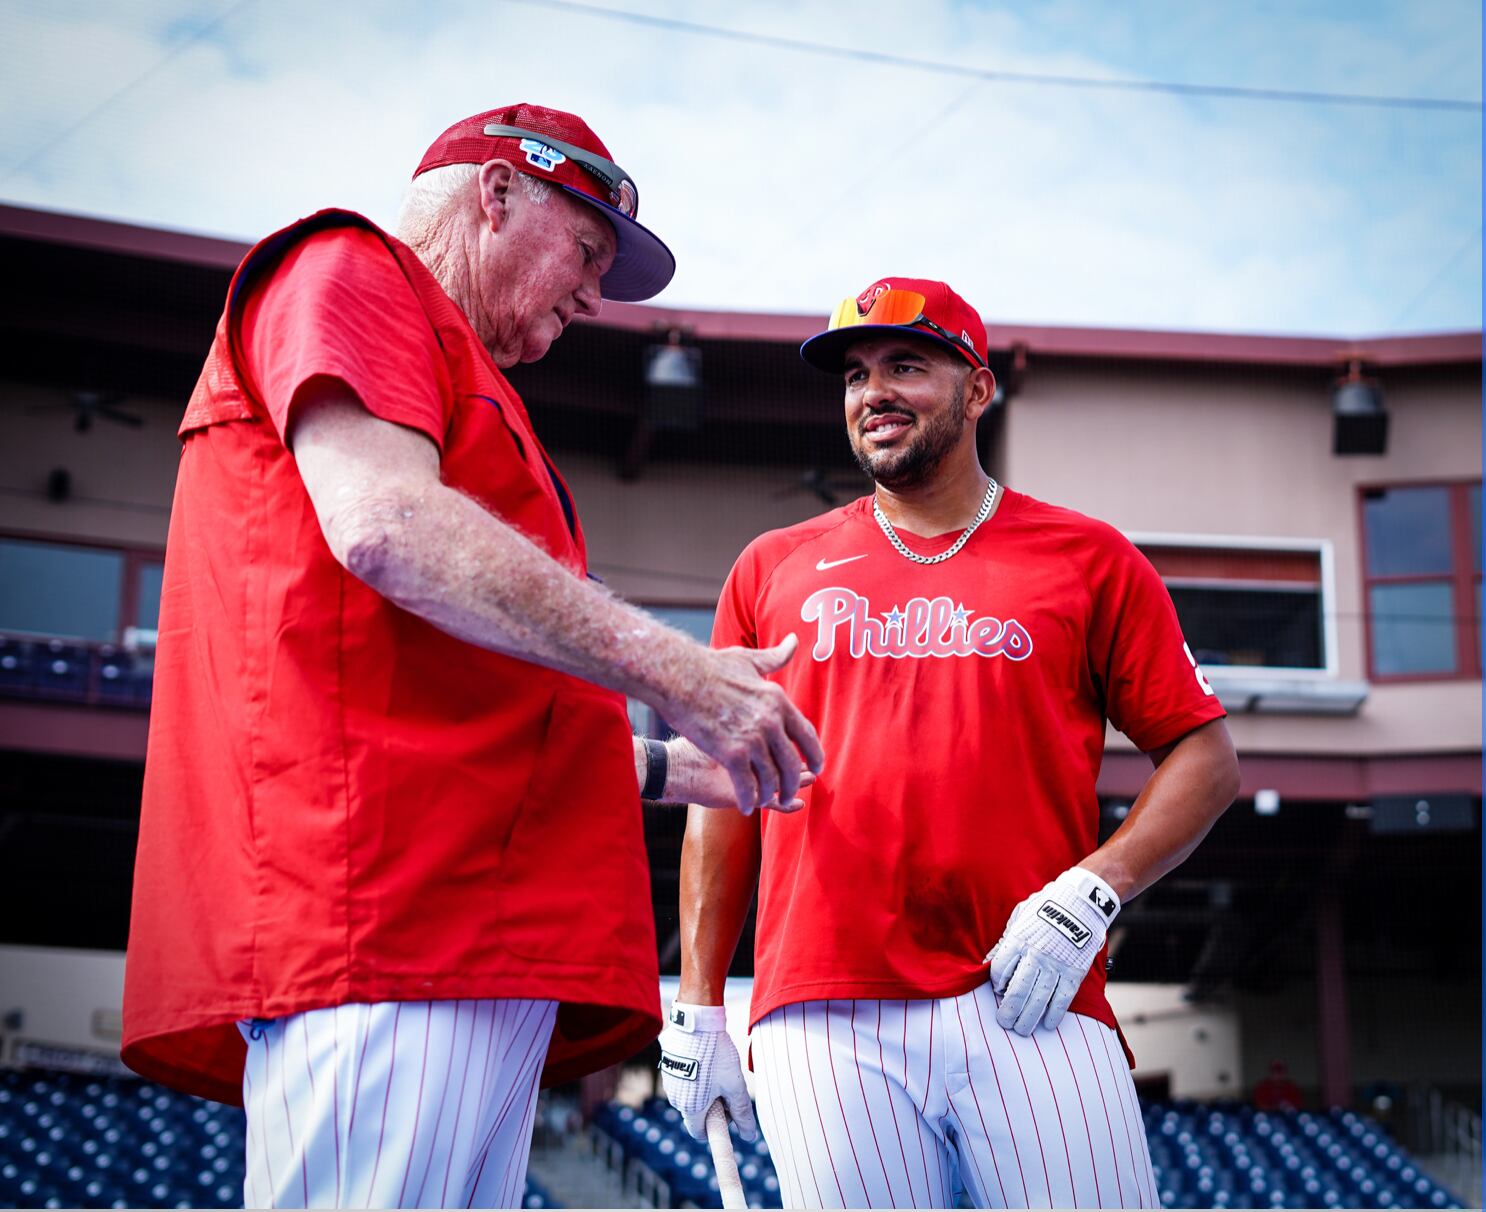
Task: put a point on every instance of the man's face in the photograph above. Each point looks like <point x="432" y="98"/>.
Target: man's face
<point x="539" y="270"/>
<point x="905" y="408"/>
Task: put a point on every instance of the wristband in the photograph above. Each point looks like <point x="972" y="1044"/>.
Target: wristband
<point x="691" y="1019"/>
<point x="1096" y="891"/>
<point x="655" y="770"/>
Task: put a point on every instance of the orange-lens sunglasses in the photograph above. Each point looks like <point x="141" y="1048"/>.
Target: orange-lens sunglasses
<point x="897" y="309"/>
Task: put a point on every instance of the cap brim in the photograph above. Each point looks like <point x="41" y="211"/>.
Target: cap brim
<point x="827" y="350"/>
<point x="643" y="265"/>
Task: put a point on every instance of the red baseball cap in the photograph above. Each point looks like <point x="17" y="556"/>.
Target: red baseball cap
<point x="925" y="308"/>
<point x="550" y="145"/>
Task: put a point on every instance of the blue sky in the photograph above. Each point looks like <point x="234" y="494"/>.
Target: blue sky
<point x="784" y="180"/>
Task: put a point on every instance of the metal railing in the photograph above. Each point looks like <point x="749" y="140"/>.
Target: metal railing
<point x="1446" y="1135"/>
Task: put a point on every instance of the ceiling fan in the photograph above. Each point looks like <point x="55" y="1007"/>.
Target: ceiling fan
<point x="829" y="486"/>
<point x="89" y="405"/>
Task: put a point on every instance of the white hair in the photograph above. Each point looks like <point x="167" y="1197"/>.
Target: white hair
<point x="433" y="193"/>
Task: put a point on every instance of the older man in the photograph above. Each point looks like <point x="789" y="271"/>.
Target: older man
<point x="390" y="868"/>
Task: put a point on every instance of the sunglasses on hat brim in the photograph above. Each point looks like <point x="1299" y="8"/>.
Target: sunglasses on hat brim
<point x="896" y="309"/>
<point x="624" y="194"/>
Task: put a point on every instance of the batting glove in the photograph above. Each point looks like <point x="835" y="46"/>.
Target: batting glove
<point x="699" y="1064"/>
<point x="1048" y="946"/>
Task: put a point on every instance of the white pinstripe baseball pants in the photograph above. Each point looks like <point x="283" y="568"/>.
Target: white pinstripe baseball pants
<point x="393" y="1105"/>
<point x="881" y="1103"/>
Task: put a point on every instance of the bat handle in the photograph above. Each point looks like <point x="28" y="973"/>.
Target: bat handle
<point x="728" y="1183"/>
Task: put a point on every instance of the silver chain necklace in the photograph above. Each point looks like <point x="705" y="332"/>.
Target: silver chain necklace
<point x="892" y="535"/>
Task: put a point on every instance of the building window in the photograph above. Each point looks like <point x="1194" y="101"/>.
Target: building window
<point x="62" y="591"/>
<point x="1422" y="580"/>
<point x="78" y="623"/>
<point x="1249" y="603"/>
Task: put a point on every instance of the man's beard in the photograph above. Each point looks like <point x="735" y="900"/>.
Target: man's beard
<point x="912" y="464"/>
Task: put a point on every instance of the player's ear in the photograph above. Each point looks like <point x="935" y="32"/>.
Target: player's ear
<point x="497" y="179"/>
<point x="980" y="390"/>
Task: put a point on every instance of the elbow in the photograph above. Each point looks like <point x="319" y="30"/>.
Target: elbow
<point x="1230" y="783"/>
<point x="370" y="539"/>
<point x="1227" y="778"/>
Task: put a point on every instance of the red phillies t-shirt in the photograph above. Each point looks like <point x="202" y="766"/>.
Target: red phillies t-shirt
<point x="962" y="708"/>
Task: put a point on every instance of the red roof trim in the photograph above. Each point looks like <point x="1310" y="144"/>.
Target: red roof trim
<point x="1040" y="340"/>
<point x="1318" y="776"/>
<point x="107" y="235"/>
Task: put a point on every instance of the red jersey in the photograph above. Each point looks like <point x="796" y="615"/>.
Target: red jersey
<point x="962" y="708"/>
<point x="343" y="803"/>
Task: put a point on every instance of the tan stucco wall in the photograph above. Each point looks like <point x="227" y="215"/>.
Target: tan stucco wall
<point x="122" y="478"/>
<point x="1155" y="450"/>
<point x="1224" y="452"/>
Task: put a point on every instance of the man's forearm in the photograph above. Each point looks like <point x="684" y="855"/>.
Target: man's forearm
<point x="389" y="519"/>
<point x="446" y="559"/>
<point x="719" y="872"/>
<point x="1194" y="782"/>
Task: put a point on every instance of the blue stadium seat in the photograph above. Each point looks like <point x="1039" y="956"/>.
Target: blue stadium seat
<point x="68" y="1141"/>
<point x="20" y="664"/>
<point x="62" y="670"/>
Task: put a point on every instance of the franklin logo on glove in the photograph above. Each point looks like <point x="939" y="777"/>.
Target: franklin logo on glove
<point x="1055" y="916"/>
<point x="678" y="1066"/>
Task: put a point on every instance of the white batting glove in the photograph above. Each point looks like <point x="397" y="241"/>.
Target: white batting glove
<point x="699" y="1064"/>
<point x="1048" y="946"/>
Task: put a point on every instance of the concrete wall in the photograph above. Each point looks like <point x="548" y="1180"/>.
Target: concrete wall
<point x="1223" y="452"/>
<point x="1154" y="449"/>
<point x="671" y="537"/>
<point x="122" y="478"/>
<point x="1197" y="1046"/>
<point x="61" y="1007"/>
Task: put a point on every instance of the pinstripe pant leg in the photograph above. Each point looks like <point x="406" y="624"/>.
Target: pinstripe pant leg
<point x="1046" y="1120"/>
<point x="850" y="1102"/>
<point x="396" y="1104"/>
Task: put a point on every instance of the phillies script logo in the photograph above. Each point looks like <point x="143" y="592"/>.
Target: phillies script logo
<point x="923" y="628"/>
<point x="868" y="297"/>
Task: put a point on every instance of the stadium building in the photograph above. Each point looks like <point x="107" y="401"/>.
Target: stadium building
<point x="1312" y="503"/>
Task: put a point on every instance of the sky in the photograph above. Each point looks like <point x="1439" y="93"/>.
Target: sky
<point x="785" y="178"/>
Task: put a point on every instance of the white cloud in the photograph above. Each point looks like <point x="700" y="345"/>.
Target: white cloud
<point x="784" y="180"/>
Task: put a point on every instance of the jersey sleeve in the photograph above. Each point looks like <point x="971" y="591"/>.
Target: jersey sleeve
<point x="736" y="623"/>
<point x="338" y="305"/>
<point x="1154" y="691"/>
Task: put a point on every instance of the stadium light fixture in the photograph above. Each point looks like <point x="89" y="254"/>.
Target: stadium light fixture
<point x="673" y="385"/>
<point x="1359" y="422"/>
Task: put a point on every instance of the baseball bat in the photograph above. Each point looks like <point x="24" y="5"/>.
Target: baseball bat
<point x="721" y="1144"/>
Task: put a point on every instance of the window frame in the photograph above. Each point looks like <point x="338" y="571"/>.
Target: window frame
<point x="1463" y="577"/>
<point x="1324" y="549"/>
<point x="128" y="631"/>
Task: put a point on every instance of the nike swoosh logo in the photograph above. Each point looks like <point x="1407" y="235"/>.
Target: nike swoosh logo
<point x="822" y="565"/>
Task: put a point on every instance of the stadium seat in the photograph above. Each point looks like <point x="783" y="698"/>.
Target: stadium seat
<point x="81" y="1142"/>
<point x="123" y="680"/>
<point x="20" y="664"/>
<point x="62" y="670"/>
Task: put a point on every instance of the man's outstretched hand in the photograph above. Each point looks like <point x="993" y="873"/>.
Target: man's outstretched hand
<point x="747" y="725"/>
<point x="694" y="778"/>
